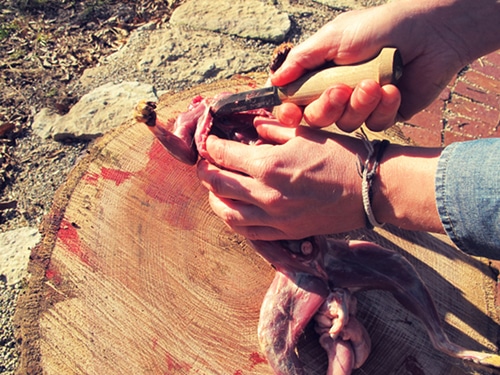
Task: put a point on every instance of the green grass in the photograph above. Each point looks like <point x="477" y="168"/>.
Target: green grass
<point x="7" y="28"/>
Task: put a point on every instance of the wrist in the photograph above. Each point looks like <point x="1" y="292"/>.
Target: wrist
<point x="468" y="29"/>
<point x="403" y="191"/>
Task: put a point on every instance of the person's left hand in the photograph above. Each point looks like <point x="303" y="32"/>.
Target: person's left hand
<point x="304" y="184"/>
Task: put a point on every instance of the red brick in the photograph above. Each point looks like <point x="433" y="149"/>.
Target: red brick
<point x="496" y="131"/>
<point x="451" y="137"/>
<point x="446" y="93"/>
<point x="490" y="85"/>
<point x="476" y="94"/>
<point x="468" y="127"/>
<point x="428" y="120"/>
<point x="438" y="105"/>
<point x="493" y="58"/>
<point x="422" y="136"/>
<point x="491" y="70"/>
<point x="477" y="112"/>
<point x="488" y="65"/>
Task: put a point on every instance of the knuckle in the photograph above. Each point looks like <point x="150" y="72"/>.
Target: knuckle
<point x="229" y="217"/>
<point x="216" y="184"/>
<point x="267" y="167"/>
<point x="272" y="198"/>
<point x="217" y="151"/>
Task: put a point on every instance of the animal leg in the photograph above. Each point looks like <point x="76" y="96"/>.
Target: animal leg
<point x="287" y="308"/>
<point x="369" y="266"/>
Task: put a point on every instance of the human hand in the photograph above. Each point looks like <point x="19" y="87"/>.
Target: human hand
<point x="305" y="184"/>
<point x="348" y="108"/>
<point x="429" y="43"/>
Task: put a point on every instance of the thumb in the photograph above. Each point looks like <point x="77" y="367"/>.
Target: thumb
<point x="345" y="40"/>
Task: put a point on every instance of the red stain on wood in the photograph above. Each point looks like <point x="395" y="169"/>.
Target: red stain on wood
<point x="53" y="274"/>
<point x="158" y="174"/>
<point x="257" y="359"/>
<point x="68" y="235"/>
<point x="155" y="172"/>
<point x="238" y="372"/>
<point x="250" y="81"/>
<point x="154" y="343"/>
<point x="115" y="175"/>
<point x="173" y="365"/>
<point x="91" y="178"/>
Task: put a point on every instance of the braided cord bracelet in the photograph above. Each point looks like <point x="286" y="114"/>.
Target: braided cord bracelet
<point x="368" y="171"/>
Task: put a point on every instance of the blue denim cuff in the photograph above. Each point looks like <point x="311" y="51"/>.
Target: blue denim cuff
<point x="468" y="195"/>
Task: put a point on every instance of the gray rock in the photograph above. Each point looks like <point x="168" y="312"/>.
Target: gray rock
<point x="15" y="248"/>
<point x="244" y="18"/>
<point x="43" y="123"/>
<point x="96" y="113"/>
<point x="179" y="58"/>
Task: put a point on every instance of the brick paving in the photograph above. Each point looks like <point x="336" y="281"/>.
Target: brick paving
<point x="468" y="109"/>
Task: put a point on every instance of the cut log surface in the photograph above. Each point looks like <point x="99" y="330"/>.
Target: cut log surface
<point x="136" y="275"/>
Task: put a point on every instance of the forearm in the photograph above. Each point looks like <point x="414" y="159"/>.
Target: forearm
<point x="403" y="191"/>
<point x="478" y="24"/>
<point x="455" y="190"/>
<point x="470" y="28"/>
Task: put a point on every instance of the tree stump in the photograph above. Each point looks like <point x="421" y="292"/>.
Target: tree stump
<point x="135" y="275"/>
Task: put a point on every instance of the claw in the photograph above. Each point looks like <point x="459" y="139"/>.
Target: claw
<point x="176" y="137"/>
<point x="145" y="112"/>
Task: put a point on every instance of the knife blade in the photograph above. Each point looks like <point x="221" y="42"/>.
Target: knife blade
<point x="386" y="68"/>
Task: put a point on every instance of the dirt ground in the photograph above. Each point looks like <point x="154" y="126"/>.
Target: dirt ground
<point x="45" y="45"/>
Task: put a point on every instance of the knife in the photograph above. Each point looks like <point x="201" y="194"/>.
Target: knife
<point x="386" y="68"/>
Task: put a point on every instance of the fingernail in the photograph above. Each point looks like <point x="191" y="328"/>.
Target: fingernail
<point x="366" y="97"/>
<point x="339" y="95"/>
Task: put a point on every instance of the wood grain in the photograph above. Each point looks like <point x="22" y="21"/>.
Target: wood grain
<point x="135" y="275"/>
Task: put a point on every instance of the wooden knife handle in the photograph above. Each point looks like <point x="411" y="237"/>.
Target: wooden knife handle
<point x="386" y="68"/>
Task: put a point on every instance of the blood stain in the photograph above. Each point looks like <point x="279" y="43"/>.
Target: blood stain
<point x="115" y="175"/>
<point x="52" y="274"/>
<point x="154" y="343"/>
<point x="91" y="178"/>
<point x="68" y="234"/>
<point x="158" y="174"/>
<point x="173" y="365"/>
<point x="256" y="359"/>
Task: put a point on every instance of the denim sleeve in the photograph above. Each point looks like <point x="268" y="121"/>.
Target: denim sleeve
<point x="468" y="195"/>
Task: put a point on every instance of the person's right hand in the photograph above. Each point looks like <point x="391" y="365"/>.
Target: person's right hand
<point x="430" y="40"/>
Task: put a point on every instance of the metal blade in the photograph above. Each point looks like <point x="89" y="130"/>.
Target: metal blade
<point x="244" y="101"/>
